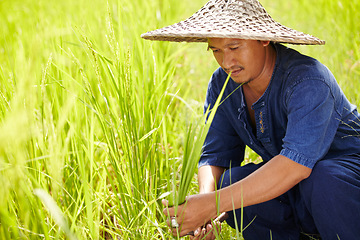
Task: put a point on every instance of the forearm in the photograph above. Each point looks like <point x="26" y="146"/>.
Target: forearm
<point x="208" y="176"/>
<point x="270" y="181"/>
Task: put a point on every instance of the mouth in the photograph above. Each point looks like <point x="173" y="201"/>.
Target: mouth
<point x="235" y="73"/>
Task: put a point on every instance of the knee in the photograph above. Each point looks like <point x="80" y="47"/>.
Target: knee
<point x="328" y="178"/>
<point x="318" y="182"/>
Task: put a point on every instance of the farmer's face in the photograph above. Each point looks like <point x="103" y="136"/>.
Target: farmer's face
<point x="245" y="58"/>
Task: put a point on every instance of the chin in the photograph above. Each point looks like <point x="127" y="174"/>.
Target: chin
<point x="240" y="81"/>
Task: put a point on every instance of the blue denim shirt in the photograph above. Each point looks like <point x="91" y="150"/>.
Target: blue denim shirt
<point x="303" y="115"/>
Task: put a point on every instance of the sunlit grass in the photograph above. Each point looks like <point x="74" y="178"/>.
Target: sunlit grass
<point x="97" y="117"/>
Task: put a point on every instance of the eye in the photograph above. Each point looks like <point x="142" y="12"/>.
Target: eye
<point x="233" y="48"/>
<point x="213" y="49"/>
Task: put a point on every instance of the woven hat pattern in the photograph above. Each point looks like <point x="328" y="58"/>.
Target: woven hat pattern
<point x="243" y="19"/>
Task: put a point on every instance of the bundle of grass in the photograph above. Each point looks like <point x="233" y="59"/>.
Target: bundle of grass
<point x="194" y="142"/>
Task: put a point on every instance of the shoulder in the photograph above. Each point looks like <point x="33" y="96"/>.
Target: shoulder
<point x="299" y="66"/>
<point x="297" y="69"/>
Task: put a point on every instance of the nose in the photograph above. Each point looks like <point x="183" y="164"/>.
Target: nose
<point x="227" y="61"/>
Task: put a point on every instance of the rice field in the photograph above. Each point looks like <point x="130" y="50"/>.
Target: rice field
<point x="94" y="119"/>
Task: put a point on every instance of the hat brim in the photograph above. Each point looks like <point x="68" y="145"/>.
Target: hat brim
<point x="203" y="37"/>
<point x="245" y="19"/>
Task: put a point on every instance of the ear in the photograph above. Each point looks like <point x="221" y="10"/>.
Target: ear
<point x="265" y="43"/>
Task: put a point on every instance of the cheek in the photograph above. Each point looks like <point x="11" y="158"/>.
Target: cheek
<point x="218" y="58"/>
<point x="253" y="60"/>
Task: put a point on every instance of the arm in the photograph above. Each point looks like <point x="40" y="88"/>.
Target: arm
<point x="276" y="177"/>
<point x="270" y="181"/>
<point x="208" y="177"/>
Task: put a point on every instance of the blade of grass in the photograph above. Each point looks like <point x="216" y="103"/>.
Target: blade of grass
<point x="55" y="212"/>
<point x="193" y="147"/>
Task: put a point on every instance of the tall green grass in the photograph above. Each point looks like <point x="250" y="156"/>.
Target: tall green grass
<point x="89" y="120"/>
<point x="96" y="118"/>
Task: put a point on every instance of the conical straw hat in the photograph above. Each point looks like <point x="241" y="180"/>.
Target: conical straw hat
<point x="243" y="19"/>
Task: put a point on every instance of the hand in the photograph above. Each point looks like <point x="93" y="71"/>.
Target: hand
<point x="211" y="229"/>
<point x="208" y="232"/>
<point x="193" y="214"/>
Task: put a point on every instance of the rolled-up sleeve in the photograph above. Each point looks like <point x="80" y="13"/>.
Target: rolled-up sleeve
<point x="312" y="122"/>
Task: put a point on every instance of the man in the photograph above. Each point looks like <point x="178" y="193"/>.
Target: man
<point x="289" y="109"/>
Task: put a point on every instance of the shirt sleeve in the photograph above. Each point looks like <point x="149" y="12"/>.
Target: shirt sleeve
<point x="223" y="147"/>
<point x="312" y="122"/>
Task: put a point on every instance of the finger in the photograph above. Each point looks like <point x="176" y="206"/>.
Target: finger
<point x="203" y="233"/>
<point x="165" y="202"/>
<point x="168" y="223"/>
<point x="176" y="232"/>
<point x="197" y="233"/>
<point x="181" y="232"/>
<point x="213" y="230"/>
<point x="209" y="232"/>
<point x="218" y="227"/>
<point x="172" y="223"/>
<point x="167" y="211"/>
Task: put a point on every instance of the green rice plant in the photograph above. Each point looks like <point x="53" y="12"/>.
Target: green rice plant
<point x="94" y="140"/>
<point x="131" y="110"/>
<point x="95" y="116"/>
<point x="194" y="142"/>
